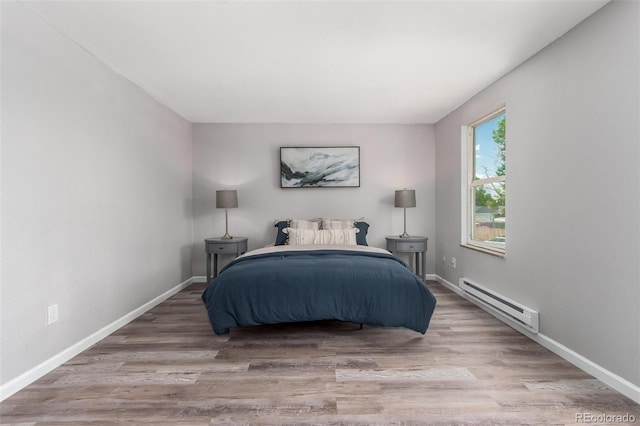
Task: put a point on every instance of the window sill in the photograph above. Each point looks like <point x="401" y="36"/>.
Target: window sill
<point x="496" y="253"/>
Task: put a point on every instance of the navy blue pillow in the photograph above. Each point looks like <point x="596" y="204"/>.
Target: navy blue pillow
<point x="361" y="237"/>
<point x="281" y="237"/>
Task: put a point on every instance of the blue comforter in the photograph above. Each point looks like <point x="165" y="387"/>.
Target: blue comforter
<point x="290" y="286"/>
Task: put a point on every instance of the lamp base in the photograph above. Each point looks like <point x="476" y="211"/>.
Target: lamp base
<point x="404" y="234"/>
<point x="226" y="235"/>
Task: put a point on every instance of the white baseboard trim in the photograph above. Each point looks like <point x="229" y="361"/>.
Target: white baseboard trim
<point x="454" y="288"/>
<point x="199" y="279"/>
<point x="609" y="378"/>
<point x="30" y="376"/>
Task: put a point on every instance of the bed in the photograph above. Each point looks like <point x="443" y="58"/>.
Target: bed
<point x="336" y="280"/>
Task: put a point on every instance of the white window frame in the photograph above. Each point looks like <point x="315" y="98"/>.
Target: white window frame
<point x="469" y="184"/>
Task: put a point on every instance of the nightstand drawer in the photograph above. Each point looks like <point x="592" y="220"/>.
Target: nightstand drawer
<point x="226" y="248"/>
<point x="222" y="248"/>
<point x="411" y="246"/>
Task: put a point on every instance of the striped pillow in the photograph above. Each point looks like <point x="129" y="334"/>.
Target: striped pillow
<point x="337" y="224"/>
<point x="321" y="236"/>
<point x="304" y="224"/>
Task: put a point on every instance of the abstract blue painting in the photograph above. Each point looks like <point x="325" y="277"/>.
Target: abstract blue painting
<point x="315" y="167"/>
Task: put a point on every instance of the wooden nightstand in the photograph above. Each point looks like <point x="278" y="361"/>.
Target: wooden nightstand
<point x="216" y="246"/>
<point x="417" y="245"/>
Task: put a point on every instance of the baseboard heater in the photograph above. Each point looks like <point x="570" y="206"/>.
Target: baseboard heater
<point x="507" y="308"/>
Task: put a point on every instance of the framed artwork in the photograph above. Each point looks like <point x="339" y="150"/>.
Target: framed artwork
<point x="320" y="167"/>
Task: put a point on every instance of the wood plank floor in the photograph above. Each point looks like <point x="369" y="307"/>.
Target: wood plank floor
<point x="167" y="367"/>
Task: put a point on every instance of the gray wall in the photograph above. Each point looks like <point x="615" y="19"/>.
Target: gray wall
<point x="573" y="189"/>
<point x="96" y="194"/>
<point x="246" y="157"/>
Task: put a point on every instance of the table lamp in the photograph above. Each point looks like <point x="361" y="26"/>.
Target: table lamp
<point x="226" y="199"/>
<point x="405" y="198"/>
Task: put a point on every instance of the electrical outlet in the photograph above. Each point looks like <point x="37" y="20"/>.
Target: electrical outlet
<point x="52" y="314"/>
<point x="453" y="262"/>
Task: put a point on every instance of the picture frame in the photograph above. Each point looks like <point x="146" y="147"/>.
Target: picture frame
<point x="320" y="167"/>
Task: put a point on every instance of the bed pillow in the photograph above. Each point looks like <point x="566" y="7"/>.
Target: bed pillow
<point x="281" y="237"/>
<point x="361" y="236"/>
<point x="321" y="236"/>
<point x="337" y="224"/>
<point x="304" y="224"/>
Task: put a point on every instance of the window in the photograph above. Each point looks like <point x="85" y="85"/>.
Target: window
<point x="485" y="190"/>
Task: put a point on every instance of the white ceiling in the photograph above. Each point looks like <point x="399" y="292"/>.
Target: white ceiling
<point x="314" y="61"/>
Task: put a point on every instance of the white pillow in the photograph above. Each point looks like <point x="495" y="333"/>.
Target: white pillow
<point x="304" y="224"/>
<point x="337" y="224"/>
<point x="321" y="236"/>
